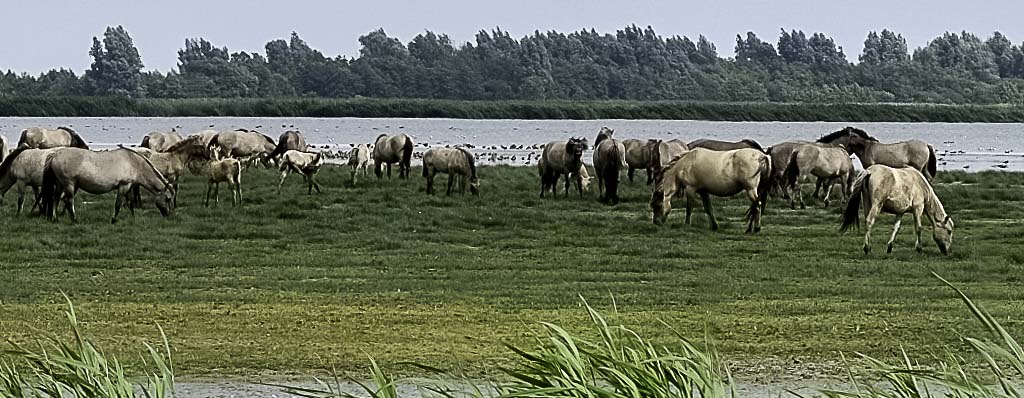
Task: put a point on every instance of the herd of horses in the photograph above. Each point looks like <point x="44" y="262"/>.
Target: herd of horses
<point x="54" y="165"/>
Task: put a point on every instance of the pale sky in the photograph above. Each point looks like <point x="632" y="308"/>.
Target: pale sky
<point x="43" y="34"/>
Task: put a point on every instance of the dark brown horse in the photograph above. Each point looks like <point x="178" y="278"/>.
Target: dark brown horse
<point x="561" y="158"/>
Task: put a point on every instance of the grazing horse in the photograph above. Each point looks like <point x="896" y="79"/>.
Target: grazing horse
<point x="160" y="142"/>
<point x="609" y="159"/>
<point x="41" y="138"/>
<point x="291" y="140"/>
<point x="457" y="163"/>
<point x="305" y="163"/>
<point x="244" y="145"/>
<point x="223" y="170"/>
<point x="390" y="150"/>
<point x="23" y="169"/>
<point x="828" y="163"/>
<point x="173" y="162"/>
<point x="716" y="145"/>
<point x="359" y="159"/>
<point x="71" y="169"/>
<point x="702" y="172"/>
<point x="898" y="191"/>
<point x="561" y="158"/>
<point x="642" y="155"/>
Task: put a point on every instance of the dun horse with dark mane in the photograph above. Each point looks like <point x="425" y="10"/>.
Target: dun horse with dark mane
<point x="561" y="158"/>
<point x="458" y="163"/>
<point x="391" y="150"/>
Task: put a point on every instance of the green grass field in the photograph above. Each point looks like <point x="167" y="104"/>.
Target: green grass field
<point x="298" y="283"/>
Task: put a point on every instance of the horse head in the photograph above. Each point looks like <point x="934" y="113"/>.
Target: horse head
<point x="574" y="149"/>
<point x="942" y="233"/>
<point x="660" y="205"/>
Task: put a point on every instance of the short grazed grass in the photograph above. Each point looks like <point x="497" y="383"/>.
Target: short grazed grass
<point x="297" y="283"/>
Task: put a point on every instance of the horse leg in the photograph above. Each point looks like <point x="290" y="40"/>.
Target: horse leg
<point x="705" y="200"/>
<point x="650" y="175"/>
<point x="430" y="184"/>
<point x="284" y="174"/>
<point x="689" y="208"/>
<point x="568" y="183"/>
<point x="918" y="213"/>
<point x="869" y="221"/>
<point x="316" y="185"/>
<point x="895" y="230"/>
<point x="174" y="198"/>
<point x="119" y="198"/>
<point x="579" y="184"/>
<point x="389" y="171"/>
<point x="21" y="200"/>
<point x="754" y="223"/>
<point x="828" y="192"/>
<point x="69" y="203"/>
<point x="209" y="190"/>
<point x="817" y="188"/>
<point x="451" y="181"/>
<point x="216" y="194"/>
<point x="600" y="186"/>
<point x="629" y="173"/>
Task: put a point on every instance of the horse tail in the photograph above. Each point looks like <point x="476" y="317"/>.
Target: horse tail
<point x="610" y="174"/>
<point x="50" y="192"/>
<point x="407" y="153"/>
<point x="145" y="142"/>
<point x="76" y="140"/>
<point x="752" y="144"/>
<point x="280" y="149"/>
<point x="470" y="161"/>
<point x="931" y="167"/>
<point x="792" y="172"/>
<point x="851" y="216"/>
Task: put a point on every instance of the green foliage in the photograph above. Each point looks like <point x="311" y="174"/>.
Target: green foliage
<point x="116" y="67"/>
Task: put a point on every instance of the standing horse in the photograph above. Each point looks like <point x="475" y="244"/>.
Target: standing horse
<point x="827" y="163"/>
<point x="642" y="155"/>
<point x="457" y="163"/>
<point x="291" y="140"/>
<point x="244" y="145"/>
<point x="561" y="158"/>
<point x="359" y="159"/>
<point x="173" y="162"/>
<point x="305" y="163"/>
<point x="609" y="159"/>
<point x="223" y="170"/>
<point x="160" y="142"/>
<point x="914" y="153"/>
<point x="72" y="169"/>
<point x="41" y="138"/>
<point x="898" y="191"/>
<point x="390" y="150"/>
<point x="23" y="169"/>
<point x="716" y="145"/>
<point x="702" y="172"/>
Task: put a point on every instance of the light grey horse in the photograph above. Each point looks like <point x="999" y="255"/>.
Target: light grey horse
<point x="23" y="170"/>
<point x="244" y="145"/>
<point x="391" y="150"/>
<point x="72" y="169"/>
<point x="359" y="159"/>
<point x="159" y="141"/>
<point x="561" y="158"/>
<point x="305" y="163"/>
<point x="173" y="162"/>
<point x="41" y="138"/>
<point x="458" y="163"/>
<point x="898" y="191"/>
<point x="702" y="172"/>
<point x="223" y="170"/>
<point x="291" y="140"/>
<point x="829" y="163"/>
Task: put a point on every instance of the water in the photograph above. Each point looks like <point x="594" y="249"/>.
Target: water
<point x="970" y="146"/>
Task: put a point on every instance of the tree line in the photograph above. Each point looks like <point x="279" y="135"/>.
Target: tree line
<point x="632" y="64"/>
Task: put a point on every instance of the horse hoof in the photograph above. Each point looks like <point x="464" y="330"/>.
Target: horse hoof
<point x="867" y="250"/>
<point x="888" y="249"/>
<point x="113" y="221"/>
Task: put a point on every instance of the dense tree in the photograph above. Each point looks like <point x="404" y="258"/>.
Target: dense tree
<point x="116" y="68"/>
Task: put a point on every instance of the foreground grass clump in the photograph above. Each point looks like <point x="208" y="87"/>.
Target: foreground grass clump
<point x="56" y="368"/>
<point x="553" y="109"/>
<point x="302" y="283"/>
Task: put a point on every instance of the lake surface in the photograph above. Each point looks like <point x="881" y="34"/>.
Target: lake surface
<point x="970" y="146"/>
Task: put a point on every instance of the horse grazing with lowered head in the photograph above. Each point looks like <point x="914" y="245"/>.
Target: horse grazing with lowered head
<point x="245" y="145"/>
<point x="642" y="155"/>
<point x="898" y="191"/>
<point x="913" y="153"/>
<point x="227" y="170"/>
<point x="829" y="163"/>
<point x="458" y="163"/>
<point x="359" y="159"/>
<point x="560" y="158"/>
<point x="305" y="163"/>
<point x="174" y="160"/>
<point x="390" y="150"/>
<point x="160" y="142"/>
<point x="22" y="170"/>
<point x="702" y="172"/>
<point x="72" y="169"/>
<point x="716" y="145"/>
<point x="609" y="159"/>
<point x="41" y="138"/>
<point x="291" y="140"/>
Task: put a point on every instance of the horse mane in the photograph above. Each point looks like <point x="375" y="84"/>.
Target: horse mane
<point x="76" y="140"/>
<point x="148" y="162"/>
<point x="753" y="144"/>
<point x="5" y="166"/>
<point x="601" y="137"/>
<point x="266" y="137"/>
<point x="181" y="144"/>
<point x="830" y="137"/>
<point x="244" y="130"/>
<point x="471" y="161"/>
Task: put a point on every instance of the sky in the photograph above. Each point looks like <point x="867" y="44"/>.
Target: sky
<point x="43" y="34"/>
